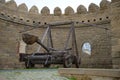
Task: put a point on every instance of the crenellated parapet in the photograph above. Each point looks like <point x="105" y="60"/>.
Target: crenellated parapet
<point x="20" y="13"/>
<point x="104" y="4"/>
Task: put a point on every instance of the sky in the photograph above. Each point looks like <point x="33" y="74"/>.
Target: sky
<point x="86" y="48"/>
<point x="51" y="4"/>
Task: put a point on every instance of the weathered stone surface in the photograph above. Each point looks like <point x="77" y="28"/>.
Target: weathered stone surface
<point x="34" y="10"/>
<point x="108" y="74"/>
<point x="114" y="41"/>
<point x="2" y="1"/>
<point x="11" y="4"/>
<point x="45" y="11"/>
<point x="115" y="17"/>
<point x="116" y="48"/>
<point x="116" y="61"/>
<point x="104" y="5"/>
<point x="57" y="11"/>
<point x="93" y="8"/>
<point x="115" y="0"/>
<point x="116" y="67"/>
<point x="69" y="10"/>
<point x="23" y="7"/>
<point x="115" y="53"/>
<point x="81" y="9"/>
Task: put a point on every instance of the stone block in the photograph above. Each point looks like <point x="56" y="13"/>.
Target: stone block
<point x="102" y="78"/>
<point x="115" y="54"/>
<point x="115" y="41"/>
<point x="115" y="1"/>
<point x="116" y="66"/>
<point x="119" y="41"/>
<point x="116" y="48"/>
<point x="116" y="61"/>
<point x="91" y="72"/>
<point x="116" y="32"/>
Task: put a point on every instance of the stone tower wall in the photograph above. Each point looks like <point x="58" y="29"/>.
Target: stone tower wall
<point x="15" y="18"/>
<point x="115" y="29"/>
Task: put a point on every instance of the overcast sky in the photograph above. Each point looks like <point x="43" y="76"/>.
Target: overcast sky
<point x="57" y="3"/>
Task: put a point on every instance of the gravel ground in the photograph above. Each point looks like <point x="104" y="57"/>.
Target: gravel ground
<point x="31" y="74"/>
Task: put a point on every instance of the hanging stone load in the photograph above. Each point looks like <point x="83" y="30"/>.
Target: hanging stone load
<point x="67" y="56"/>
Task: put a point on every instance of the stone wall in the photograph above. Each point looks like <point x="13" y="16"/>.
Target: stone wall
<point x="90" y="74"/>
<point x="115" y="28"/>
<point x="15" y="18"/>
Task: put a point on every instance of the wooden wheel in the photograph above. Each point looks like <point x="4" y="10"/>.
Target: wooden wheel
<point x="77" y="61"/>
<point x="68" y="61"/>
<point x="28" y="64"/>
<point x="46" y="65"/>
